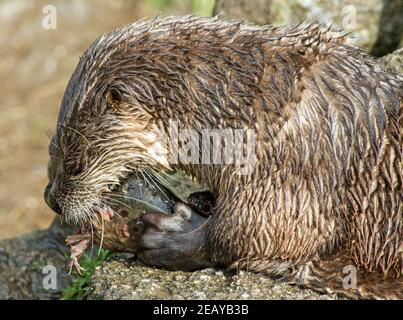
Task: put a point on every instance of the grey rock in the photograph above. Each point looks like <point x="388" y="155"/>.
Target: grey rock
<point x="393" y="62"/>
<point x="375" y="25"/>
<point x="390" y="33"/>
<point x="121" y="278"/>
<point x="22" y="262"/>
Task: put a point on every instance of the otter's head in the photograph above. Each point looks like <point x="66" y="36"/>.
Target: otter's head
<point x="104" y="134"/>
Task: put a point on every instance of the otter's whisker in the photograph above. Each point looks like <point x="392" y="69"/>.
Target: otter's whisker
<point x="117" y="201"/>
<point x="165" y="183"/>
<point x="102" y="236"/>
<point x="89" y="211"/>
<point x="162" y="180"/>
<point x="142" y="201"/>
<point x="170" y="176"/>
<point x="145" y="179"/>
<point x="156" y="184"/>
<point x="141" y="189"/>
<point x="92" y="239"/>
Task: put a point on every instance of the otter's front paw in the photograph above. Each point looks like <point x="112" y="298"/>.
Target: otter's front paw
<point x="173" y="241"/>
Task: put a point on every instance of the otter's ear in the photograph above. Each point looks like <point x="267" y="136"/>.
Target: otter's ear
<point x="114" y="98"/>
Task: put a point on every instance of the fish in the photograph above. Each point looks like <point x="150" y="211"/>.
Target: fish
<point x="119" y="223"/>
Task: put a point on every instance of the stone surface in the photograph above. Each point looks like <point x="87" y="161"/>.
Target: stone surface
<point x="22" y="262"/>
<point x="375" y="25"/>
<point x="120" y="278"/>
<point x="393" y="62"/>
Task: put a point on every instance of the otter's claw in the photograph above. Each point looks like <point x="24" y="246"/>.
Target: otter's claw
<point x="78" y="243"/>
<point x="173" y="241"/>
<point x="73" y="262"/>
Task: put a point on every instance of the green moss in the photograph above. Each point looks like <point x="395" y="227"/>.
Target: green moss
<point x="199" y="7"/>
<point x="160" y="4"/>
<point x="203" y="7"/>
<point x="78" y="290"/>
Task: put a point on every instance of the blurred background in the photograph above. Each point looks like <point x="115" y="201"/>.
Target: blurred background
<point x="40" y="44"/>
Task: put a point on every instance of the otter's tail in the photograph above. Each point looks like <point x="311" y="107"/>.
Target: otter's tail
<point x="338" y="275"/>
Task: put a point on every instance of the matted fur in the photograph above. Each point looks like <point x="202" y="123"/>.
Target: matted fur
<point x="327" y="120"/>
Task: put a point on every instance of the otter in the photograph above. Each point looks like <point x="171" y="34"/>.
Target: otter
<point x="325" y="189"/>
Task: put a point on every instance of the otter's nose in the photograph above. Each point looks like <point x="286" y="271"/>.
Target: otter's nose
<point x="50" y="199"/>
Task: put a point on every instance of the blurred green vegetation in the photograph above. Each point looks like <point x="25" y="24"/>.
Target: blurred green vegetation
<point x="160" y="4"/>
<point x="200" y="7"/>
<point x="78" y="290"/>
<point x="203" y="7"/>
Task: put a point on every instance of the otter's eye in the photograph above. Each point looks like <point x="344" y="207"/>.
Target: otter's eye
<point x="113" y="187"/>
